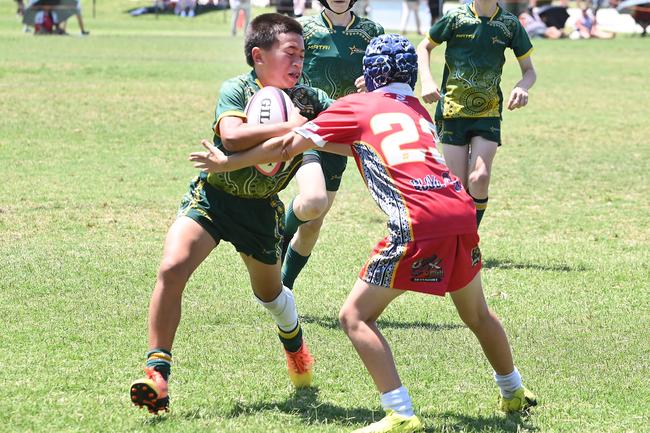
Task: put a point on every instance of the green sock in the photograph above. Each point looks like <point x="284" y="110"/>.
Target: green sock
<point x="291" y="267"/>
<point x="291" y="222"/>
<point x="161" y="361"/>
<point x="292" y="340"/>
<point x="481" y="205"/>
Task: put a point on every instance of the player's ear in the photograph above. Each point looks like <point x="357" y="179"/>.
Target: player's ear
<point x="257" y="54"/>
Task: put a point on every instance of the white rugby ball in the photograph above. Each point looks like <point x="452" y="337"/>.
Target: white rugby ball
<point x="267" y="106"/>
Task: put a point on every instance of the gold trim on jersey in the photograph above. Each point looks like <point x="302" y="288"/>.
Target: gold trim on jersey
<point x="352" y="21"/>
<point x="432" y="41"/>
<point x="231" y="113"/>
<point x="331" y="25"/>
<point x="527" y="54"/>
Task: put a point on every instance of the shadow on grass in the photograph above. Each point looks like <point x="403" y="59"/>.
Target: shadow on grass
<point x="305" y="404"/>
<point x="501" y="264"/>
<point x="456" y="422"/>
<point x="333" y="323"/>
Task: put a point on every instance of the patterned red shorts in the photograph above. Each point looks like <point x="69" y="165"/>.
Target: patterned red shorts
<point x="434" y="266"/>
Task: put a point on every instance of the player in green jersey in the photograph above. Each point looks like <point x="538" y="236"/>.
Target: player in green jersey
<point x="241" y="207"/>
<point x="335" y="41"/>
<point x="468" y="114"/>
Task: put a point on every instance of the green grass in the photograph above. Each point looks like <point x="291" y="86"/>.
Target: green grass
<point x="94" y="134"/>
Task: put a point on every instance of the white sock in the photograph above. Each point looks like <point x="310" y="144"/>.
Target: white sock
<point x="283" y="310"/>
<point x="397" y="400"/>
<point x="508" y="383"/>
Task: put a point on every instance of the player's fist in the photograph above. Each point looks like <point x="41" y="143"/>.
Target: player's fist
<point x="430" y="93"/>
<point x="518" y="98"/>
<point x="360" y="84"/>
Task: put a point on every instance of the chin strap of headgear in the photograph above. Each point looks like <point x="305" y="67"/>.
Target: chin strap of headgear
<point x="327" y="6"/>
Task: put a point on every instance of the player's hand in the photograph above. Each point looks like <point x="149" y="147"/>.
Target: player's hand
<point x="430" y="93"/>
<point x="212" y="161"/>
<point x="360" y="84"/>
<point x="518" y="98"/>
<point x="296" y="119"/>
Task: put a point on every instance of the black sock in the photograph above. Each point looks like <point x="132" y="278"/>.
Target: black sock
<point x="292" y="340"/>
<point x="481" y="205"/>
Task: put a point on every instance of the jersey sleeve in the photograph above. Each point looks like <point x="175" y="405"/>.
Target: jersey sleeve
<point x="380" y="30"/>
<point x="231" y="102"/>
<point x="520" y="43"/>
<point x="442" y="30"/>
<point x="337" y="124"/>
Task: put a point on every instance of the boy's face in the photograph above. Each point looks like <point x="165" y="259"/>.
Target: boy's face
<point x="339" y="6"/>
<point x="281" y="65"/>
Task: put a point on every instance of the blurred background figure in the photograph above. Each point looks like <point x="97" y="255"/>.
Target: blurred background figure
<point x="536" y="27"/>
<point x="408" y="7"/>
<point x="361" y="8"/>
<point x="435" y="9"/>
<point x="586" y="26"/>
<point x="240" y="7"/>
<point x="80" y="21"/>
<point x="186" y="8"/>
<point x="298" y="8"/>
<point x="285" y="7"/>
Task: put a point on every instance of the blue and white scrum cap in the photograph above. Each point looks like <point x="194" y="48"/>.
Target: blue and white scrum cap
<point x="390" y="59"/>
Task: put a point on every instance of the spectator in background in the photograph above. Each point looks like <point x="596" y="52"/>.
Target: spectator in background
<point x="298" y="8"/>
<point x="586" y="26"/>
<point x="536" y="27"/>
<point x="409" y="6"/>
<point x="435" y="9"/>
<point x="245" y="7"/>
<point x="186" y="8"/>
<point x="80" y="20"/>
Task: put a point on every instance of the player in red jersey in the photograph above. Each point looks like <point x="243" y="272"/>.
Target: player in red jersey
<point x="432" y="245"/>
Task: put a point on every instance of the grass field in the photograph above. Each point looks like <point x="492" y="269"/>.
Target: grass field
<point x="94" y="134"/>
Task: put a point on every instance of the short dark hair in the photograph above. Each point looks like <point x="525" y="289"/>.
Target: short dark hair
<point x="263" y="32"/>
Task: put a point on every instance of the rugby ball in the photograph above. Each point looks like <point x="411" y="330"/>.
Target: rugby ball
<point x="267" y="106"/>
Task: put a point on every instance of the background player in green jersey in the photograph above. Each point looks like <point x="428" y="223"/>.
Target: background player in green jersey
<point x="335" y="41"/>
<point x="468" y="114"/>
<point x="241" y="207"/>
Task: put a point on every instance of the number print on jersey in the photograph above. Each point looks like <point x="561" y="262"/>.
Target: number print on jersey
<point x="393" y="145"/>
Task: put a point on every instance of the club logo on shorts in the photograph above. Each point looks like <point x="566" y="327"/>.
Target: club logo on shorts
<point x="427" y="270"/>
<point x="476" y="255"/>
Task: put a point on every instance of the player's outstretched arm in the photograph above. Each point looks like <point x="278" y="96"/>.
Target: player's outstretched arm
<point x="430" y="91"/>
<point x="273" y="150"/>
<point x="519" y="95"/>
<point x="236" y="135"/>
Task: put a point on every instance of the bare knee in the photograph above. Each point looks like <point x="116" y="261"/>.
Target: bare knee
<point x="478" y="319"/>
<point x="349" y="320"/>
<point x="313" y="206"/>
<point x="479" y="180"/>
<point x="173" y="275"/>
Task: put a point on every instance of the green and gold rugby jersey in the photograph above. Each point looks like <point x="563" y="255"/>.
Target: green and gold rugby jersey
<point x="474" y="60"/>
<point x="250" y="182"/>
<point x="333" y="54"/>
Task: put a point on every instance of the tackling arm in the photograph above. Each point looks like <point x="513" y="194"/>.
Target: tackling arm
<point x="273" y="150"/>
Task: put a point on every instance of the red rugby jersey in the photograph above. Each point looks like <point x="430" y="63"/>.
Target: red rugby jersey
<point x="394" y="146"/>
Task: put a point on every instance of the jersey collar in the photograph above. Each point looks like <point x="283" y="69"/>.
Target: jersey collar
<point x="329" y="24"/>
<point x="255" y="79"/>
<point x="473" y="10"/>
